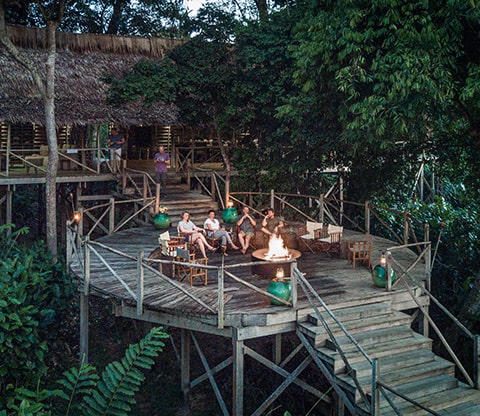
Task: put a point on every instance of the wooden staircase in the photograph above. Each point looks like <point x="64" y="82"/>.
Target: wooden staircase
<point x="405" y="360"/>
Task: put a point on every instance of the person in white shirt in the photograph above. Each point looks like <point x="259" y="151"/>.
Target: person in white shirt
<point x="194" y="234"/>
<point x="215" y="231"/>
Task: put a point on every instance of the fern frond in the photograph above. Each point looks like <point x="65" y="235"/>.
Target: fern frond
<point x="121" y="379"/>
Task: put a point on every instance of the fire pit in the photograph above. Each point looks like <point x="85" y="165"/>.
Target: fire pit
<point x="278" y="256"/>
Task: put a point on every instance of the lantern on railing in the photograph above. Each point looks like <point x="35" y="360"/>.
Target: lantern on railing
<point x="77" y="216"/>
<point x="280" y="287"/>
<point x="380" y="272"/>
<point x="230" y="214"/>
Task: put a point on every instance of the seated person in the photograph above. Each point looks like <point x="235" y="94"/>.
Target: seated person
<point x="194" y="233"/>
<point x="246" y="228"/>
<point x="271" y="225"/>
<point x="212" y="225"/>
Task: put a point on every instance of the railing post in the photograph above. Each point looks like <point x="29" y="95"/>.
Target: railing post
<point x="367" y="217"/>
<point x="476" y="354"/>
<point x="80" y="226"/>
<point x="140" y="285"/>
<point x="388" y="272"/>
<point x="157" y="198"/>
<point x="321" y="214"/>
<point x="293" y="283"/>
<point x="341" y="201"/>
<point x="111" y="217"/>
<point x="220" y="295"/>
<point x="405" y="227"/>
<point x="84" y="307"/>
<point x="375" y="400"/>
<point x="272" y="198"/>
<point x="212" y="186"/>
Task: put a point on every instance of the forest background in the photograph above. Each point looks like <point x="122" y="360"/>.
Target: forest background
<point x="372" y="87"/>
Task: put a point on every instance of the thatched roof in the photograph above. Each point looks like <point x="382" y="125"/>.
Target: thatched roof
<point x="80" y="94"/>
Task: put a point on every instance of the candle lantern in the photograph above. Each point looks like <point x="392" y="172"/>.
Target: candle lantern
<point x="161" y="220"/>
<point x="230" y="214"/>
<point x="279" y="287"/>
<point x="379" y="272"/>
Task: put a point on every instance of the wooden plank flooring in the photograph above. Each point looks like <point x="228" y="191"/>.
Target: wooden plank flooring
<point x="334" y="279"/>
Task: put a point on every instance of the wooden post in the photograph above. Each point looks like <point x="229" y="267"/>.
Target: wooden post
<point x="140" y="286"/>
<point x="157" y="198"/>
<point x="227" y="190"/>
<point x="185" y="363"/>
<point x="341" y="201"/>
<point x="375" y="401"/>
<point x="388" y="272"/>
<point x="293" y="283"/>
<point x="272" y="198"/>
<point x="238" y="373"/>
<point x="220" y="294"/>
<point x="84" y="294"/>
<point x="277" y="349"/>
<point x="476" y="355"/>
<point x="405" y="227"/>
<point x="111" y="217"/>
<point x="9" y="206"/>
<point x="367" y="217"/>
<point x="212" y="186"/>
<point x="321" y="213"/>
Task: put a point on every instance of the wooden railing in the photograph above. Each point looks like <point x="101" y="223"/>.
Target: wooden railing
<point x="325" y="209"/>
<point x="93" y="160"/>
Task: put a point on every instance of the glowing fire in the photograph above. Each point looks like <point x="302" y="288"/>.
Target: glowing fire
<point x="276" y="249"/>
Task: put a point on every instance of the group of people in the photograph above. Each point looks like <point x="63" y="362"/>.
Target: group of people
<point x="213" y="231"/>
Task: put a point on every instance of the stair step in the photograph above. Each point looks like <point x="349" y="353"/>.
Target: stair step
<point x="373" y="337"/>
<point x="393" y="362"/>
<point x="356" y="312"/>
<point x="419" y="388"/>
<point x="333" y="360"/>
<point x="437" y="401"/>
<point x="470" y="408"/>
<point x="319" y="336"/>
<point x="437" y="366"/>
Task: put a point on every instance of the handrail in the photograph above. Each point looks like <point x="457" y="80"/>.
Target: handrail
<point x="309" y="292"/>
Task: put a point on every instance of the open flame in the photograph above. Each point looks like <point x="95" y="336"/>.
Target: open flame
<point x="276" y="249"/>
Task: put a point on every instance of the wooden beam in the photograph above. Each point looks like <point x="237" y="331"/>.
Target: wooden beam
<point x="238" y="374"/>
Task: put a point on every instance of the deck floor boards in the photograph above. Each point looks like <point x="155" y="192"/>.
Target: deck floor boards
<point x="332" y="277"/>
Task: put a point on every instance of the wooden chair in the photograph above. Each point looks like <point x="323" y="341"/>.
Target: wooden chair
<point x="169" y="244"/>
<point x="361" y="251"/>
<point x="330" y="239"/>
<point x="308" y="237"/>
<point x="193" y="270"/>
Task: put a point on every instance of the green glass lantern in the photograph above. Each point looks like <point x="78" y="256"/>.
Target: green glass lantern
<point x="161" y="221"/>
<point x="230" y="215"/>
<point x="379" y="275"/>
<point x="281" y="289"/>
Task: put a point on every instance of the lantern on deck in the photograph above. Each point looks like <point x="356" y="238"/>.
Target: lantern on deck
<point x="161" y="220"/>
<point x="379" y="272"/>
<point x="230" y="214"/>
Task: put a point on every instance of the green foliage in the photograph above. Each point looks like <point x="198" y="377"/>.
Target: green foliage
<point x="33" y="293"/>
<point x="84" y="392"/>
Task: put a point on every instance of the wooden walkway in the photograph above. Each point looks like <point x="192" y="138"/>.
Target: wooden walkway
<point x="334" y="279"/>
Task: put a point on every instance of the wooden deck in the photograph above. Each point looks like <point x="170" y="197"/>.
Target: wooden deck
<point x="334" y="279"/>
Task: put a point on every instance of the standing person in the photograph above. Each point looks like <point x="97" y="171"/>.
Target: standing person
<point x="162" y="162"/>
<point x="246" y="228"/>
<point x="271" y="225"/>
<point x="115" y="142"/>
<point x="194" y="233"/>
<point x="212" y="225"/>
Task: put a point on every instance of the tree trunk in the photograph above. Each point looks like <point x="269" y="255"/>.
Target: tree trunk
<point x="226" y="161"/>
<point x="47" y="90"/>
<point x="51" y="131"/>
